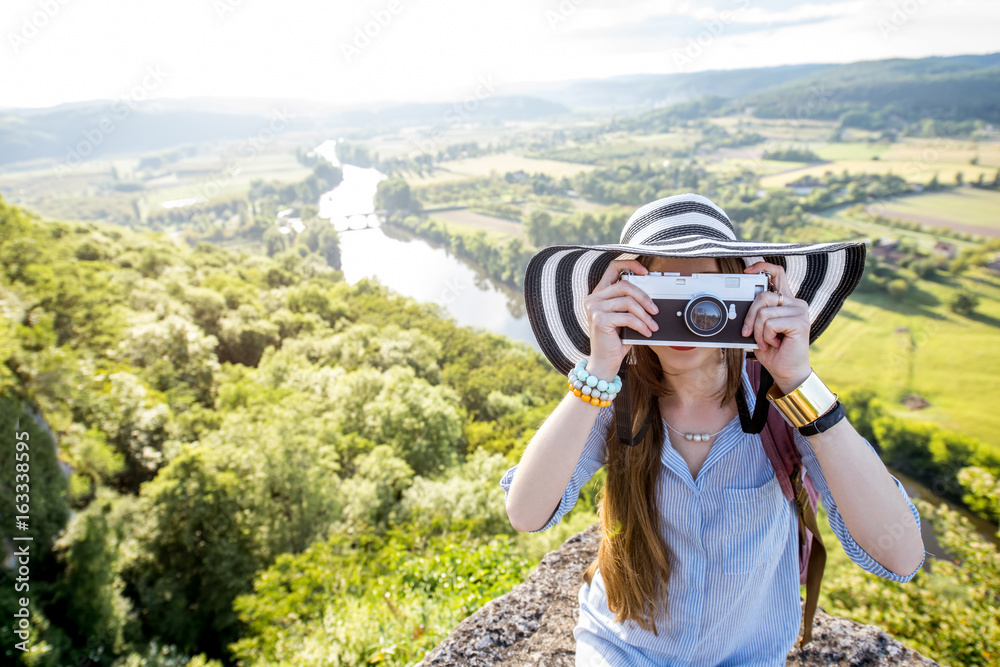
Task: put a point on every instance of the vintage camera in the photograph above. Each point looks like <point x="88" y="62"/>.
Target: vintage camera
<point x="700" y="310"/>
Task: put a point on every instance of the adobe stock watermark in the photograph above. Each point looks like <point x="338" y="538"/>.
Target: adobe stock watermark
<point x="459" y="112"/>
<point x="245" y="152"/>
<point x="224" y="7"/>
<point x="32" y="24"/>
<point x="453" y="288"/>
<point x="120" y="110"/>
<point x="893" y="532"/>
<point x="562" y="12"/>
<point x="711" y="29"/>
<point x="369" y="30"/>
<point x="21" y="485"/>
<point x="898" y="17"/>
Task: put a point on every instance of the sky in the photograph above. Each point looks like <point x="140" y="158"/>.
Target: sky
<point x="348" y="53"/>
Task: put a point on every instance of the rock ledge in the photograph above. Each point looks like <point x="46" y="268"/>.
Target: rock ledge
<point x="533" y="625"/>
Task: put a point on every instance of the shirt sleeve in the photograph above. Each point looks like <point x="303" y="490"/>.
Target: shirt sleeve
<point x="853" y="549"/>
<point x="591" y="460"/>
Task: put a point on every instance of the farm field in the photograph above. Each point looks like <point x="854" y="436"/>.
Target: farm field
<point x="874" y="230"/>
<point x="966" y="209"/>
<point x="502" y="163"/>
<point x="467" y="218"/>
<point x="955" y="365"/>
<point x="911" y="171"/>
<point x="748" y="157"/>
<point x="86" y="192"/>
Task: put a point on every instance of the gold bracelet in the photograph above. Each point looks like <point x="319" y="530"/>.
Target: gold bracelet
<point x="804" y="404"/>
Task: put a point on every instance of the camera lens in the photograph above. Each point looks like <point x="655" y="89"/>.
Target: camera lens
<point x="705" y="315"/>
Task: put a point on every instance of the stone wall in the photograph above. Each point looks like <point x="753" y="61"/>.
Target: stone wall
<point x="533" y="625"/>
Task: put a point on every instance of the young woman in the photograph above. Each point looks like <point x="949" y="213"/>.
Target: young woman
<point x="698" y="563"/>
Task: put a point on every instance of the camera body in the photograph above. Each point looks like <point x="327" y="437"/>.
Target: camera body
<point x="700" y="310"/>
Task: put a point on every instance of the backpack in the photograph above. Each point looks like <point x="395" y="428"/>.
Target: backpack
<point x="778" y="440"/>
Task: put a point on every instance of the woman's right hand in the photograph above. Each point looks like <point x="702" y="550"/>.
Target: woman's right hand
<point x="616" y="303"/>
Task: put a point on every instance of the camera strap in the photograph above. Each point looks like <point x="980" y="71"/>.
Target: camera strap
<point x="623" y="412"/>
<point x="755" y="424"/>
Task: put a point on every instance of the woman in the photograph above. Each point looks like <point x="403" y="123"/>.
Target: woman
<point x="698" y="563"/>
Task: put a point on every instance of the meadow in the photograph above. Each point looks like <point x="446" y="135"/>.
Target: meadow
<point x="964" y="208"/>
<point x="912" y="171"/>
<point x="459" y="170"/>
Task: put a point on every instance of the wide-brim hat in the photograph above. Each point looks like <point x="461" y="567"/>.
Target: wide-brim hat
<point x="558" y="278"/>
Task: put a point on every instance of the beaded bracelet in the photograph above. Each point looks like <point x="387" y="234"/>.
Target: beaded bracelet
<point x="590" y="389"/>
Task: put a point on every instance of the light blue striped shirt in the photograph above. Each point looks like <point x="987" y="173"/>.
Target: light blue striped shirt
<point x="733" y="596"/>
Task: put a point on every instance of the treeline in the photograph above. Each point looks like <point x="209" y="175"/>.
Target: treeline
<point x="324" y="178"/>
<point x="791" y="154"/>
<point x="502" y="260"/>
<point x="897" y="98"/>
<point x="214" y="411"/>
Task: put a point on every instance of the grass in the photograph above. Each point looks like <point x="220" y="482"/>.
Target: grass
<point x="472" y="220"/>
<point x="968" y="206"/>
<point x="955" y="366"/>
<point x="454" y="226"/>
<point x="874" y="230"/>
<point x="914" y="172"/>
<point x="459" y="170"/>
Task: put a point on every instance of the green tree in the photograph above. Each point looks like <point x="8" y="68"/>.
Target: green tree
<point x="536" y="227"/>
<point x="964" y="302"/>
<point x="393" y="194"/>
<point x="898" y="288"/>
<point x="274" y="241"/>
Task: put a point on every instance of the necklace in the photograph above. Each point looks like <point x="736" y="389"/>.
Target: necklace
<point x="697" y="437"/>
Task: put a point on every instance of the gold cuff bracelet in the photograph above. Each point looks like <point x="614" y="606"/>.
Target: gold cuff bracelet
<point x="806" y="403"/>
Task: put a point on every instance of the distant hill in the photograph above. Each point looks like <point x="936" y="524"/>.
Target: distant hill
<point x="958" y="88"/>
<point x="104" y="127"/>
<point x="648" y="91"/>
<point x="100" y="128"/>
<point x="487" y="110"/>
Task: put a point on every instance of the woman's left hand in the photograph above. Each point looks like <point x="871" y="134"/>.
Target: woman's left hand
<point x="781" y="332"/>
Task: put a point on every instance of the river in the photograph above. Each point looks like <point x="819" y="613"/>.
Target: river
<point x="428" y="272"/>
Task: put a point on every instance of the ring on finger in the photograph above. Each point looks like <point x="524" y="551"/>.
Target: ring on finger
<point x="781" y="297"/>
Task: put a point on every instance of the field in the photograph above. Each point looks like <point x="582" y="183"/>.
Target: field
<point x="955" y="365"/>
<point x="914" y="172"/>
<point x="87" y="191"/>
<point x="458" y="170"/>
<point x="966" y="209"/>
<point x="466" y="218"/>
<point x="874" y="230"/>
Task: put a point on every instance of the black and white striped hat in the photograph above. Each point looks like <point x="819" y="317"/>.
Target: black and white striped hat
<point x="558" y="278"/>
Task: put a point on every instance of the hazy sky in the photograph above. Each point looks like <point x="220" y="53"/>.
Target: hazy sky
<point x="345" y="53"/>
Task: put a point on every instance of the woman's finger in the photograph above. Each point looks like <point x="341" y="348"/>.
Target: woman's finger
<point x="616" y="267"/>
<point x="627" y="288"/>
<point x="608" y="322"/>
<point x="622" y="304"/>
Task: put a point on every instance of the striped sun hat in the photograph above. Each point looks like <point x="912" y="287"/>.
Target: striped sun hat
<point x="558" y="278"/>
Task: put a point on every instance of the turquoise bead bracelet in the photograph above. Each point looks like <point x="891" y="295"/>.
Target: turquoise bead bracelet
<point x="589" y="388"/>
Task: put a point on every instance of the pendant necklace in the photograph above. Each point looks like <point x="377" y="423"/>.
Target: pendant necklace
<point x="696" y="437"/>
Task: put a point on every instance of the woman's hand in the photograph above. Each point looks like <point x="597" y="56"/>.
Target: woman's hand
<point x="781" y="332"/>
<point x="616" y="303"/>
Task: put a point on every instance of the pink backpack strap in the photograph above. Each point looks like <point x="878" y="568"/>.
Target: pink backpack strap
<point x="778" y="440"/>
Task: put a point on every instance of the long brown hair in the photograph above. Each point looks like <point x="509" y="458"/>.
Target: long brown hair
<point x="633" y="558"/>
